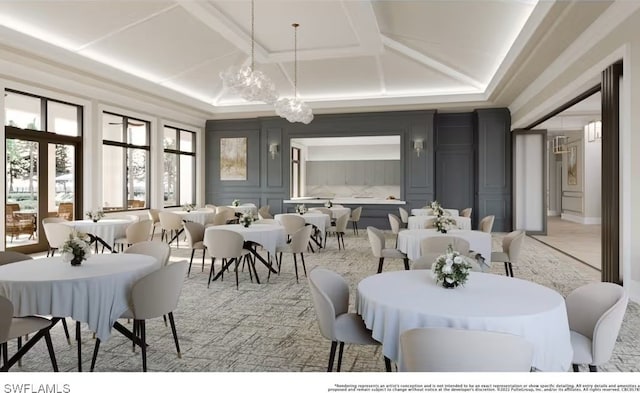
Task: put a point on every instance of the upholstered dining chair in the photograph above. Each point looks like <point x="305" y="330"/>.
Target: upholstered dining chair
<point x="136" y="232"/>
<point x="263" y="212"/>
<point x="461" y="350"/>
<point x="330" y="295"/>
<point x="155" y="220"/>
<point x="486" y="224"/>
<point x="396" y="225"/>
<point x="404" y="216"/>
<point x="291" y="223"/>
<point x="171" y="224"/>
<point x="15" y="328"/>
<point x="195" y="238"/>
<point x="226" y="245"/>
<point x="56" y="234"/>
<point x="297" y="246"/>
<point x="47" y="220"/>
<point x="355" y="218"/>
<point x="377" y="242"/>
<point x="65" y="210"/>
<point x="159" y="250"/>
<point x="434" y="246"/>
<point x="153" y="296"/>
<point x="229" y="214"/>
<point x="595" y="313"/>
<point x="218" y="219"/>
<point x="339" y="229"/>
<point x="466" y="212"/>
<point x="511" y="247"/>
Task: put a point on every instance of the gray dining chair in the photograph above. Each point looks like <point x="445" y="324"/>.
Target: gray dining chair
<point x="377" y="243"/>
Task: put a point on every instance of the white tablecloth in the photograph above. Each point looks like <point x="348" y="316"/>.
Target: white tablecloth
<point x="269" y="236"/>
<point x="246" y="209"/>
<point x="199" y="216"/>
<point x="320" y="220"/>
<point x="339" y="211"/>
<point x="409" y="241"/>
<point x="95" y="292"/>
<point x="393" y="302"/>
<point x="107" y="229"/>
<point x="417" y="222"/>
<point x="429" y="212"/>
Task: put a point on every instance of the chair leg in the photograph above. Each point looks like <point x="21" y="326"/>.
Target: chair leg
<point x="295" y="264"/>
<point x="340" y="350"/>
<point x="380" y="262"/>
<point x="203" y="254"/>
<point x="52" y="354"/>
<point x="79" y="342"/>
<point x="95" y="354"/>
<point x="153" y="232"/>
<point x="576" y="369"/>
<point x="19" y="346"/>
<point x="191" y="261"/>
<point x="332" y="355"/>
<point x="164" y="317"/>
<point x="387" y="364"/>
<point x="136" y="333"/>
<point x="211" y="271"/>
<point x="144" y="344"/>
<point x="5" y="353"/>
<point x="406" y="264"/>
<point x="175" y="334"/>
<point x="593" y="368"/>
<point x="506" y="269"/>
<point x="237" y="262"/>
<point x="510" y="269"/>
<point x="304" y="268"/>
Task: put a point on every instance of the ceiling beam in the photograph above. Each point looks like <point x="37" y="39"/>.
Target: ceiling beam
<point x="430" y="62"/>
<point x="364" y="23"/>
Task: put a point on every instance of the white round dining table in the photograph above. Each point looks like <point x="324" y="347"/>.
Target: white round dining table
<point x="391" y="303"/>
<point x="417" y="222"/>
<point x="409" y="241"/>
<point x="199" y="216"/>
<point x="107" y="229"/>
<point x="269" y="236"/>
<point x="429" y="212"/>
<point x="95" y="292"/>
<point x="319" y="220"/>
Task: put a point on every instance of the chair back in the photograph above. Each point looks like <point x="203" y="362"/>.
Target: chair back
<point x="324" y="210"/>
<point x="300" y="239"/>
<point x="437" y="245"/>
<point x="6" y="316"/>
<point x="194" y="231"/>
<point x="47" y="220"/>
<point x="56" y="233"/>
<point x="65" y="210"/>
<point x="341" y="223"/>
<point x="137" y="232"/>
<point x="356" y="213"/>
<point x="466" y="212"/>
<point x="157" y="249"/>
<point x="263" y="212"/>
<point x="461" y="350"/>
<point x="376" y="240"/>
<point x="514" y="241"/>
<point x="404" y="215"/>
<point x="210" y="206"/>
<point x="395" y="223"/>
<point x="153" y="215"/>
<point x="429" y="223"/>
<point x="270" y="221"/>
<point x="228" y="212"/>
<point x="7" y="257"/>
<point x="596" y="311"/>
<point x="223" y="243"/>
<point x="170" y="221"/>
<point x="330" y="295"/>
<point x="157" y="293"/>
<point x="486" y="224"/>
<point x="219" y="219"/>
<point x="292" y="223"/>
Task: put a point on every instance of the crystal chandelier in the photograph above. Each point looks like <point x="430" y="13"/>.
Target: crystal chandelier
<point x="294" y="109"/>
<point x="248" y="83"/>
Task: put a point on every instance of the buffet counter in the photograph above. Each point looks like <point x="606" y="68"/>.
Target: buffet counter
<point x="344" y="201"/>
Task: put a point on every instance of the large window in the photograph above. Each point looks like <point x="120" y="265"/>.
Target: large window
<point x="125" y="162"/>
<point x="179" y="178"/>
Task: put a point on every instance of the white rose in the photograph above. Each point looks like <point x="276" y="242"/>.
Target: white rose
<point x="458" y="260"/>
<point x="67" y="257"/>
<point x="449" y="261"/>
<point x="449" y="280"/>
<point x="447" y="269"/>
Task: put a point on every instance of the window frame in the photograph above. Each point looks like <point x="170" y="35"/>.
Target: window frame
<point x="178" y="154"/>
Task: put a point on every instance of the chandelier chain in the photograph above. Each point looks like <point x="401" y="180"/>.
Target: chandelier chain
<point x="295" y="60"/>
<point x="252" y="39"/>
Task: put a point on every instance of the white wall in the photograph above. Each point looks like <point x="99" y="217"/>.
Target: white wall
<point x="353" y="153"/>
<point x="529" y="195"/>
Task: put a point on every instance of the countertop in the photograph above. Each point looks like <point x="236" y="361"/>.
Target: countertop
<point x="345" y="201"/>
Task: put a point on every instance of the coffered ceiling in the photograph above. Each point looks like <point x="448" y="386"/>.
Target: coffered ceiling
<point x="351" y="53"/>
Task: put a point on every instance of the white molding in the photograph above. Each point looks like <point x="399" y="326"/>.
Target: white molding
<point x="552" y="213"/>
<point x="580" y="219"/>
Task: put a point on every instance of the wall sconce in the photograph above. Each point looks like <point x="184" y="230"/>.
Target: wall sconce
<point x="273" y="150"/>
<point x="594" y="131"/>
<point x="559" y="144"/>
<point x="418" y="147"/>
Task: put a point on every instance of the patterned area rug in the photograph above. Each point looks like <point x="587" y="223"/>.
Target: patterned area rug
<point x="272" y="326"/>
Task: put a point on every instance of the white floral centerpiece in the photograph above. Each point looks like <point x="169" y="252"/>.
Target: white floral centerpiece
<point x="451" y="269"/>
<point x="436" y="208"/>
<point x="235" y="203"/>
<point x="246" y="220"/>
<point x="301" y="209"/>
<point x="76" y="249"/>
<point x="95" y="215"/>
<point x="444" y="223"/>
<point x="188" y="207"/>
<point x="328" y="204"/>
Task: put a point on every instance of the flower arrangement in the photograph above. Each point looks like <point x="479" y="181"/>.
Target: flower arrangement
<point x="246" y="220"/>
<point x="451" y="269"/>
<point x="76" y="248"/>
<point x="437" y="209"/>
<point x="328" y="204"/>
<point x="444" y="223"/>
<point x="95" y="215"/>
<point x="188" y="207"/>
<point x="236" y="202"/>
<point x="301" y="209"/>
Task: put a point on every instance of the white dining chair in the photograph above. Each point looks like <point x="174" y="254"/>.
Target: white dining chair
<point x="355" y="218"/>
<point x="195" y="240"/>
<point x="171" y="224"/>
<point x="434" y="246"/>
<point x="396" y="225"/>
<point x="404" y="216"/>
<point x="159" y="250"/>
<point x="339" y="229"/>
<point x="461" y="350"/>
<point x="297" y="246"/>
<point x="136" y="232"/>
<point x="155" y="220"/>
<point x="226" y="245"/>
<point x="377" y="243"/>
<point x="56" y="234"/>
<point x="486" y="224"/>
<point x="511" y="248"/>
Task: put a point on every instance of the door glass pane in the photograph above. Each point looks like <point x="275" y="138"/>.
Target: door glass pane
<point x="62" y="119"/>
<point x="61" y="180"/>
<point x="22" y="111"/>
<point x="170" y="138"/>
<point x="170" y="179"/>
<point x="186" y="141"/>
<point x="113" y="177"/>
<point x="22" y="192"/>
<point x="187" y="170"/>
<point x="137" y="132"/>
<point x="112" y="127"/>
<point x="137" y="177"/>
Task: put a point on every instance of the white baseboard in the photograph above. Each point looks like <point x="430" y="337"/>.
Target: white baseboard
<point x="581" y="220"/>
<point x="552" y="213"/>
<point x="633" y="289"/>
